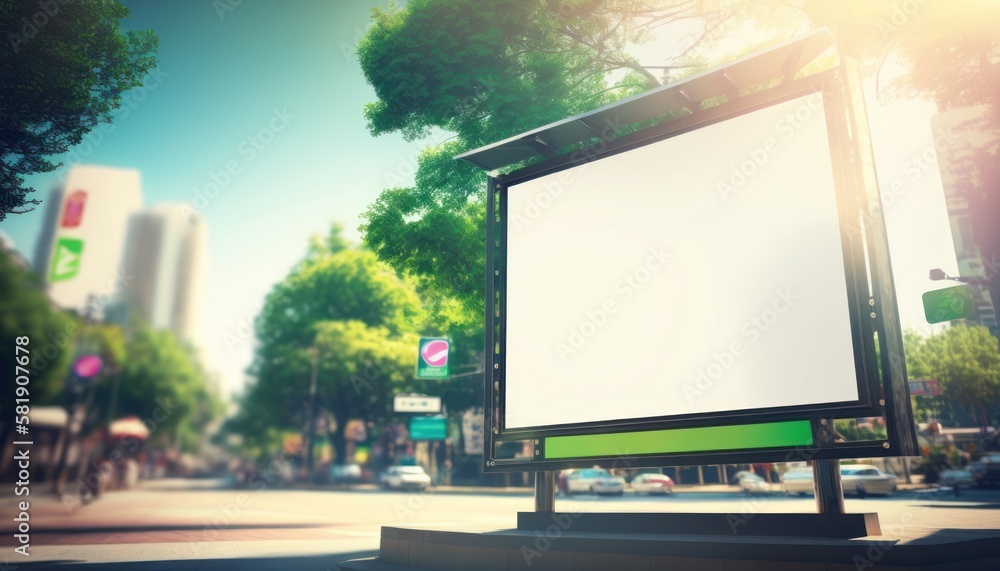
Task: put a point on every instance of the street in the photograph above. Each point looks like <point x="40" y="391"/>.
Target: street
<point x="197" y="524"/>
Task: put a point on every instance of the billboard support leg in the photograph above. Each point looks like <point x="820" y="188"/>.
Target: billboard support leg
<point x="545" y="491"/>
<point x="826" y="481"/>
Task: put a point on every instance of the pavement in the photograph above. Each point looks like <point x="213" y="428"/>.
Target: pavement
<point x="185" y="524"/>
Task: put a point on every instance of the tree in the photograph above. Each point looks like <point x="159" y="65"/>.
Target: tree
<point x="65" y="67"/>
<point x="484" y="71"/>
<point x="26" y="312"/>
<point x="162" y="384"/>
<point x="967" y="362"/>
<point x="358" y="316"/>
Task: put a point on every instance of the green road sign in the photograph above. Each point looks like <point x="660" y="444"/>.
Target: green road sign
<point x="948" y="304"/>
<point x="432" y="358"/>
<point x="428" y="428"/>
<point x="66" y="260"/>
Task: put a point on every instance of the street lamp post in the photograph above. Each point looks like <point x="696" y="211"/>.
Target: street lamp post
<point x="311" y="427"/>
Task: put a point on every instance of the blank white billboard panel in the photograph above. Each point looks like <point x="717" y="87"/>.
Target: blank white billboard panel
<point x="703" y="273"/>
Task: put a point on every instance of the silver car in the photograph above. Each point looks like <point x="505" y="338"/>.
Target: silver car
<point x="596" y="481"/>
<point x="405" y="478"/>
<point x="859" y="479"/>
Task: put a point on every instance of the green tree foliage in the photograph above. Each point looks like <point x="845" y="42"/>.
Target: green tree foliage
<point x="967" y="362"/>
<point x="484" y="71"/>
<point x="358" y="316"/>
<point x="159" y="381"/>
<point x="25" y="311"/>
<point x="65" y="66"/>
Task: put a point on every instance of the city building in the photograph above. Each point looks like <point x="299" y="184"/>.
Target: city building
<point x="80" y="246"/>
<point x="961" y="135"/>
<point x="166" y="259"/>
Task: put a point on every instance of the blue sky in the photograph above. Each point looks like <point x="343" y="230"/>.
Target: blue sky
<point x="224" y="76"/>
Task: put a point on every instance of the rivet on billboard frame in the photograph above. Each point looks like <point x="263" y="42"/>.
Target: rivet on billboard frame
<point x="538" y="452"/>
<point x="823" y="421"/>
<point x="496" y="272"/>
<point x="885" y="445"/>
<point x="881" y="402"/>
<point x="496" y="385"/>
<point x="873" y="315"/>
<point x="871" y="301"/>
<point x="496" y="365"/>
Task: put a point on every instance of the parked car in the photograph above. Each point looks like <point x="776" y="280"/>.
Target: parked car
<point x="405" y="478"/>
<point x="958" y="477"/>
<point x="798" y="481"/>
<point x="986" y="470"/>
<point x="594" y="480"/>
<point x="653" y="484"/>
<point x="346" y="474"/>
<point x="860" y="479"/>
<point x="753" y="484"/>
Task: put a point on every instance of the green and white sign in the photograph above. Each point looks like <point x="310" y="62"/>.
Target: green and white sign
<point x="428" y="428"/>
<point x="66" y="259"/>
<point x="432" y="358"/>
<point x="948" y="304"/>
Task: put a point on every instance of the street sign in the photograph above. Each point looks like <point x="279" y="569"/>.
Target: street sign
<point x="425" y="404"/>
<point x="428" y="428"/>
<point x="925" y="387"/>
<point x="66" y="261"/>
<point x="948" y="304"/>
<point x="432" y="358"/>
<point x="87" y="366"/>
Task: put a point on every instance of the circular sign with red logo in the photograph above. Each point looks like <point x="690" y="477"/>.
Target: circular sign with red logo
<point x="87" y="366"/>
<point x="435" y="353"/>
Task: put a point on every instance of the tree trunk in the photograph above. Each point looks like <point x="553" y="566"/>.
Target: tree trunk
<point x="337" y="438"/>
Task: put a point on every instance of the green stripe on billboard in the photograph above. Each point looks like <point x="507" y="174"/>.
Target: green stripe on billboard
<point x="681" y="440"/>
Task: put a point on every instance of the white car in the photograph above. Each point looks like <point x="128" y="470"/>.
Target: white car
<point x="753" y="484"/>
<point x="653" y="484"/>
<point x="405" y="478"/>
<point x="596" y="481"/>
<point x="859" y="479"/>
<point x="798" y="481"/>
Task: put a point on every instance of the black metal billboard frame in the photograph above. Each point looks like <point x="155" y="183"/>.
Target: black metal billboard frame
<point x="883" y="389"/>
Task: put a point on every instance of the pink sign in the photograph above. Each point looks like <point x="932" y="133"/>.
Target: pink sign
<point x="435" y="353"/>
<point x="73" y="212"/>
<point x="87" y="366"/>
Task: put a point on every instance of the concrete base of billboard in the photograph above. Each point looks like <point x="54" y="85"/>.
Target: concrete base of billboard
<point x="564" y="541"/>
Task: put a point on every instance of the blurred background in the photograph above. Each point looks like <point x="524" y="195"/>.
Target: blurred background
<point x="226" y="226"/>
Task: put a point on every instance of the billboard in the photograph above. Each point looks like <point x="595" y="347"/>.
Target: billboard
<point x="706" y="289"/>
<point x="81" y="244"/>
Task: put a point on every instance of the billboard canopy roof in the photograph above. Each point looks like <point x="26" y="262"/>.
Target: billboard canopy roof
<point x="780" y="63"/>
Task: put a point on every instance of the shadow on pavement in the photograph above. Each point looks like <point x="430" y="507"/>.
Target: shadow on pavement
<point x="307" y="563"/>
<point x="171" y="527"/>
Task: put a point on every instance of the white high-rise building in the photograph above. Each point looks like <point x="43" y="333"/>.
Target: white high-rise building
<point x="166" y="258"/>
<point x="79" y="252"/>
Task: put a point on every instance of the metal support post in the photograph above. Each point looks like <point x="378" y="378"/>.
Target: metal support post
<point x="545" y="491"/>
<point x="826" y="481"/>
